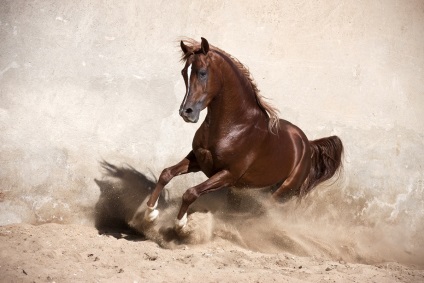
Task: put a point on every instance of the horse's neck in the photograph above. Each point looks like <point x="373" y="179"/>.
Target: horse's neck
<point x="236" y="104"/>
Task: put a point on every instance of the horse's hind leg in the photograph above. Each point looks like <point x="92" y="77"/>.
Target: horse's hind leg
<point x="291" y="186"/>
<point x="187" y="165"/>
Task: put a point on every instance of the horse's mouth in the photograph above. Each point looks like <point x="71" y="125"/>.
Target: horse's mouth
<point x="190" y="118"/>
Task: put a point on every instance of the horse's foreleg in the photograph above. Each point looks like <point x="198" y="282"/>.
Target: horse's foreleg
<point x="216" y="182"/>
<point x="187" y="165"/>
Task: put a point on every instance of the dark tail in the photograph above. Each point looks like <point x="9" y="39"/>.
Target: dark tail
<point x="326" y="162"/>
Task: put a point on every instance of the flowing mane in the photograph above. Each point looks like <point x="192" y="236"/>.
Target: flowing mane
<point x="270" y="110"/>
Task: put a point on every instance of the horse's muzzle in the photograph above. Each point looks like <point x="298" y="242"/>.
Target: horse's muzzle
<point x="189" y="115"/>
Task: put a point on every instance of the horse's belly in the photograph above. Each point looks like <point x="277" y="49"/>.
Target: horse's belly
<point x="263" y="177"/>
<point x="273" y="164"/>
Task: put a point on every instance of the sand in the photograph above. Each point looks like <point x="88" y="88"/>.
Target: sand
<point x="257" y="242"/>
<point x="77" y="253"/>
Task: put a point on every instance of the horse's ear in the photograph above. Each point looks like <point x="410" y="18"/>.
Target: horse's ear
<point x="205" y="46"/>
<point x="184" y="47"/>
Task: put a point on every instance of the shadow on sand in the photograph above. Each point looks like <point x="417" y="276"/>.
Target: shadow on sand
<point x="123" y="190"/>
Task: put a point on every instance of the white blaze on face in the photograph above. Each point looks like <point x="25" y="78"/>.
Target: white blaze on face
<point x="188" y="77"/>
<point x="188" y="83"/>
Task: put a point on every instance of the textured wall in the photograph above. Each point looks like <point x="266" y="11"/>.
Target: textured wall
<point x="82" y="81"/>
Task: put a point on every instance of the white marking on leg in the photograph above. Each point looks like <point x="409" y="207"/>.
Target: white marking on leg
<point x="151" y="212"/>
<point x="154" y="206"/>
<point x="180" y="224"/>
<point x="151" y="215"/>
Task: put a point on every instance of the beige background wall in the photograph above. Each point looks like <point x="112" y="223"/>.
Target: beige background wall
<point x="82" y="81"/>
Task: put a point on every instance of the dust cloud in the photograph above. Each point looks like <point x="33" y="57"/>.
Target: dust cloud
<point x="329" y="222"/>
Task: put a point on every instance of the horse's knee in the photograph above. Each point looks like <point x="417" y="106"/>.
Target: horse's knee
<point x="190" y="196"/>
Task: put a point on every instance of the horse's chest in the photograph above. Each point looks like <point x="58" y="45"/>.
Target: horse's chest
<point x="213" y="149"/>
<point x="205" y="160"/>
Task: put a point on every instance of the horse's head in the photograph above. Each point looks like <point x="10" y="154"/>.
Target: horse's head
<point x="201" y="83"/>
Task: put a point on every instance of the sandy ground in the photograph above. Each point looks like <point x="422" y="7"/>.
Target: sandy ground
<point x="76" y="253"/>
<point x="255" y="243"/>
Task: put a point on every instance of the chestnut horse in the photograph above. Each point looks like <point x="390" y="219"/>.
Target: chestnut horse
<point x="242" y="142"/>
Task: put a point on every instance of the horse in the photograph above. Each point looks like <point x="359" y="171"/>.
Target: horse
<point x="242" y="143"/>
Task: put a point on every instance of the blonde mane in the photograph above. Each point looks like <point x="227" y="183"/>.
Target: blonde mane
<point x="271" y="111"/>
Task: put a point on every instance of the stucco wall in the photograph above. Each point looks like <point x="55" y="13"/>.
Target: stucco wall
<point x="82" y="81"/>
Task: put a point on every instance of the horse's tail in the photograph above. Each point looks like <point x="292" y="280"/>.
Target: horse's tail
<point x="326" y="162"/>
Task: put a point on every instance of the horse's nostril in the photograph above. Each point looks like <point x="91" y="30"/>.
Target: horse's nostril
<point x="188" y="110"/>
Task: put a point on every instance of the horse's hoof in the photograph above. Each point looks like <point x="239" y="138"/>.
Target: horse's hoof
<point x="198" y="229"/>
<point x="181" y="223"/>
